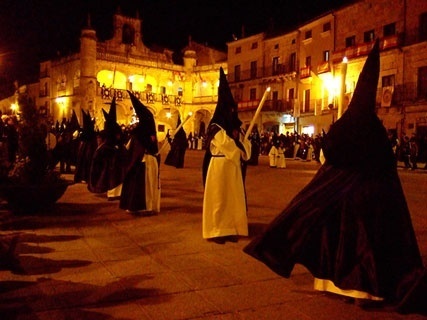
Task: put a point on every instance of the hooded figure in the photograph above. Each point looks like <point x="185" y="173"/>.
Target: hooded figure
<point x="86" y="150"/>
<point x="141" y="186"/>
<point x="179" y="144"/>
<point x="109" y="159"/>
<point x="350" y="226"/>
<point x="66" y="148"/>
<point x="224" y="201"/>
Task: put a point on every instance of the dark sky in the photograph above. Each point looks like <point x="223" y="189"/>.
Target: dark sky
<point x="36" y="30"/>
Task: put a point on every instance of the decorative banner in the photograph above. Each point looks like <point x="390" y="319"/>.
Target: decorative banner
<point x="387" y="96"/>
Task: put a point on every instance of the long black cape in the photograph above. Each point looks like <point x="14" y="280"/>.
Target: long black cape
<point x="351" y="224"/>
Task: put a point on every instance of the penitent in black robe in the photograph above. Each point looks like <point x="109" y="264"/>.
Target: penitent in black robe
<point x="351" y="224"/>
<point x="179" y="145"/>
<point x="107" y="168"/>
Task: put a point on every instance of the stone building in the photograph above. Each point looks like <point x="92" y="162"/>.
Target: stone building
<point x="312" y="70"/>
<point x="90" y="78"/>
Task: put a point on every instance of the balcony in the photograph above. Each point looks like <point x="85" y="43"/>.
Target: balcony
<point x="323" y="67"/>
<point x="146" y="97"/>
<point x="305" y="75"/>
<point x="364" y="48"/>
<point x="280" y="71"/>
<point x="284" y="106"/>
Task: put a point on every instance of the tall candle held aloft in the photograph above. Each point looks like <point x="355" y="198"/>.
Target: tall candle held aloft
<point x="258" y="110"/>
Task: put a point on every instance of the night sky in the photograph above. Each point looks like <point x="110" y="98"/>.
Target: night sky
<point x="35" y="30"/>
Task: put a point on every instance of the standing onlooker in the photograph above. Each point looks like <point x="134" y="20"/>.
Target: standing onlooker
<point x="394" y="144"/>
<point x="255" y="148"/>
<point x="12" y="138"/>
<point x="224" y="201"/>
<point x="405" y="151"/>
<point x="413" y="151"/>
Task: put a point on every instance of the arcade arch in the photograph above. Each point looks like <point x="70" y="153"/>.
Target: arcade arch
<point x="201" y="121"/>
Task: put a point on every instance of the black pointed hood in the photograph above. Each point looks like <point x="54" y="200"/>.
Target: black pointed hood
<point x="180" y="135"/>
<point x="225" y="113"/>
<point x="358" y="138"/>
<point x="111" y="127"/>
<point x="146" y="128"/>
<point x="73" y="125"/>
<point x="88" y="129"/>
<point x="88" y="124"/>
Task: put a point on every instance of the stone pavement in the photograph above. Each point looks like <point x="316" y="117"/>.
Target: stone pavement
<point x="87" y="259"/>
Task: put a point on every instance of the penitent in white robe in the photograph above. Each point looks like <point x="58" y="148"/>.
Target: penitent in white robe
<point x="224" y="202"/>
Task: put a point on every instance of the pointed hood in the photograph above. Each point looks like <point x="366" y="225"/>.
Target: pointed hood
<point x="111" y="127"/>
<point x="225" y="113"/>
<point x="88" y="130"/>
<point x="145" y="131"/>
<point x="88" y="124"/>
<point x="112" y="113"/>
<point x="180" y="135"/>
<point x="358" y="138"/>
<point x="364" y="96"/>
<point x="73" y="125"/>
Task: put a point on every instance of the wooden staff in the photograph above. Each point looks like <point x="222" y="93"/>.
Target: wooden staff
<point x="258" y="110"/>
<point x="175" y="131"/>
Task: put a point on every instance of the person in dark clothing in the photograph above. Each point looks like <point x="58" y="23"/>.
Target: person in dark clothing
<point x="141" y="185"/>
<point x="109" y="159"/>
<point x="12" y="139"/>
<point x="413" y="151"/>
<point x="179" y="144"/>
<point x="255" y="147"/>
<point x="87" y="147"/>
<point x="351" y="226"/>
<point x="405" y="152"/>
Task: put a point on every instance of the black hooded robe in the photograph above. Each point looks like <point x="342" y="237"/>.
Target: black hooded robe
<point x="88" y="145"/>
<point x="351" y="224"/>
<point x="141" y="185"/>
<point x="179" y="145"/>
<point x="109" y="160"/>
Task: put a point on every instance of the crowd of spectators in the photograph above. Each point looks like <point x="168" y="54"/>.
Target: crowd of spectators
<point x="410" y="150"/>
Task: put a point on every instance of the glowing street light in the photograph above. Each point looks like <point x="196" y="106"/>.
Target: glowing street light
<point x="14" y="108"/>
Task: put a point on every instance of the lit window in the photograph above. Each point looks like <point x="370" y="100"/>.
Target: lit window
<point x="326" y="55"/>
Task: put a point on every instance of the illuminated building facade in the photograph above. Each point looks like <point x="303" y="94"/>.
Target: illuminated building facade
<point x="311" y="85"/>
<point x="89" y="80"/>
<point x="311" y="71"/>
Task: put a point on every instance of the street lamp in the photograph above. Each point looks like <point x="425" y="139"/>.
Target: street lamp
<point x="61" y="103"/>
<point x="14" y="108"/>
